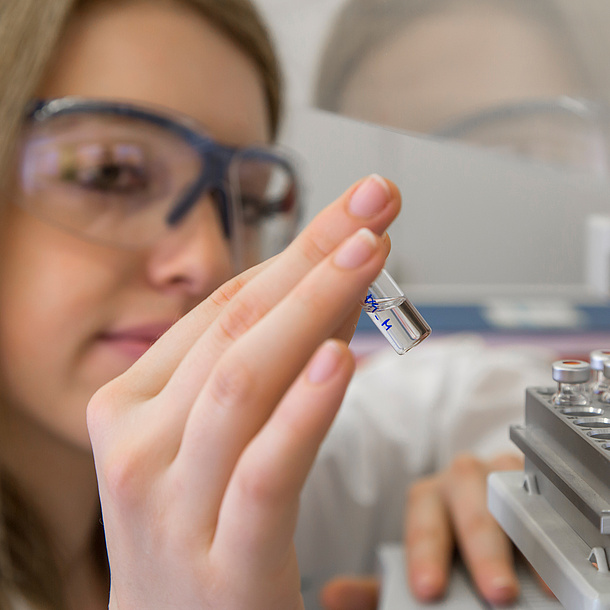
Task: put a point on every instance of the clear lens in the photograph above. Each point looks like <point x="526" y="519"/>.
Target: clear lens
<point x="123" y="176"/>
<point x="107" y="178"/>
<point x="266" y="192"/>
<point x="552" y="132"/>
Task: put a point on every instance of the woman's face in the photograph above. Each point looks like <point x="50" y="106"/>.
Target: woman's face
<point x="75" y="314"/>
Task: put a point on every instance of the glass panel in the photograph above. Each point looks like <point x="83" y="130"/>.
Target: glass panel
<point x="422" y="65"/>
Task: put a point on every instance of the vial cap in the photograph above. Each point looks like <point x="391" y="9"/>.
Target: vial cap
<point x="597" y="358"/>
<point x="571" y="371"/>
<point x="606" y="369"/>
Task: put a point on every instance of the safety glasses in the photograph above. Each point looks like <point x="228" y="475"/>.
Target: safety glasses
<point x="123" y="175"/>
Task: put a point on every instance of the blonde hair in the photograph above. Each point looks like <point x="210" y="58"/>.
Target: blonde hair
<point x="30" y="31"/>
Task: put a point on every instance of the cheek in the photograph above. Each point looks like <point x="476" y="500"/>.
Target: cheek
<point x="37" y="309"/>
<point x="46" y="294"/>
<point x="49" y="302"/>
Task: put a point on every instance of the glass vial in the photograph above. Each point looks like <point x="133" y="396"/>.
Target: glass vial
<point x="394" y="315"/>
<point x="605" y="397"/>
<point x="599" y="382"/>
<point x="572" y="377"/>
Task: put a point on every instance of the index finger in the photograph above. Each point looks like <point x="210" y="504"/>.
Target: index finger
<point x="372" y="202"/>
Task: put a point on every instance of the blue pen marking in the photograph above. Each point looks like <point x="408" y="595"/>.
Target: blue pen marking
<point x="393" y="315"/>
<point x="370" y="300"/>
<point x="373" y="306"/>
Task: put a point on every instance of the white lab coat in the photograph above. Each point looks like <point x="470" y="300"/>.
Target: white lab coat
<point x="402" y="418"/>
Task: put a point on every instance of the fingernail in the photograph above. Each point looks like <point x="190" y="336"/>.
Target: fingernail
<point x="370" y="197"/>
<point x="504" y="589"/>
<point x="357" y="249"/>
<point x="427" y="586"/>
<point x="324" y="363"/>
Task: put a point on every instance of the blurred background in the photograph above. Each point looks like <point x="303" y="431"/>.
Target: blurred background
<point x="304" y="28"/>
<point x="492" y="117"/>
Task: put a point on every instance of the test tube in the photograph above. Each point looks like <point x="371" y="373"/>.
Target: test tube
<point x="394" y="315"/>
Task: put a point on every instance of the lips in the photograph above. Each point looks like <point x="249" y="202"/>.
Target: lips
<point x="133" y="341"/>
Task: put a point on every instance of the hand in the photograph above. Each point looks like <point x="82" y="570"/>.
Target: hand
<point x="445" y="510"/>
<point x="450" y="509"/>
<point x="202" y="447"/>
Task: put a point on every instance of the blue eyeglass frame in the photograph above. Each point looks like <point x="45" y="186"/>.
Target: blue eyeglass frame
<point x="215" y="158"/>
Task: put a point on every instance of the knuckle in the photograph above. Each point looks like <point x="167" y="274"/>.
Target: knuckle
<point x="96" y="415"/>
<point x="259" y="489"/>
<point x="241" y="317"/>
<point x="225" y="293"/>
<point x="476" y="523"/>
<point x="466" y="465"/>
<point x="123" y="477"/>
<point x="101" y="410"/>
<point x="232" y="385"/>
<point x="312" y="249"/>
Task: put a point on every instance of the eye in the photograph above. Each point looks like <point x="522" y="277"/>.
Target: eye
<point x="110" y="177"/>
<point x="117" y="168"/>
<point x="254" y="209"/>
<point x="257" y="209"/>
<point x="266" y="189"/>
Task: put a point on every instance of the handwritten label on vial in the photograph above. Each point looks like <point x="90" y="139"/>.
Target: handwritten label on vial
<point x="372" y="307"/>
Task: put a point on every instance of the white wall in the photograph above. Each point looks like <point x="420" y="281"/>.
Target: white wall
<point x="299" y="28"/>
<point x="473" y="224"/>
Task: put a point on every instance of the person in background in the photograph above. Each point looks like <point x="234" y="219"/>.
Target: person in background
<point x="508" y="76"/>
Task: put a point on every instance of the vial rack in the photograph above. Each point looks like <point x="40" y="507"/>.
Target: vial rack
<point x="557" y="511"/>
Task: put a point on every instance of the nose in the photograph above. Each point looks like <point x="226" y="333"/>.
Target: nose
<point x="193" y="257"/>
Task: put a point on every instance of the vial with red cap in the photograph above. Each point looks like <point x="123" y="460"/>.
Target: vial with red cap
<point x="572" y="377"/>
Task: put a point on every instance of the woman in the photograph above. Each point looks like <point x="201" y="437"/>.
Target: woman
<point x="116" y="223"/>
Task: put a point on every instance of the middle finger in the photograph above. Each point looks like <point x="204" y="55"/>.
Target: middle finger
<point x="254" y="373"/>
<point x="485" y="548"/>
<point x="372" y="202"/>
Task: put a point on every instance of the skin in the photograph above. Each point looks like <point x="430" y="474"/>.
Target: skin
<point x="165" y="413"/>
<point x="450" y="64"/>
<point x="182" y="404"/>
<point x="446" y="510"/>
<point x="59" y="294"/>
